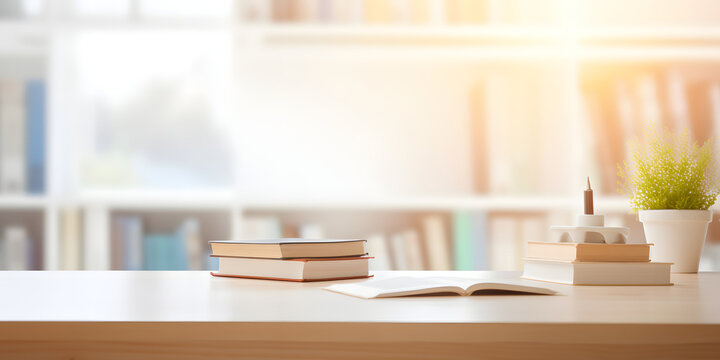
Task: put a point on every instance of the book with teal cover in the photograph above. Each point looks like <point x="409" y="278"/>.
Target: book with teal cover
<point x="470" y="240"/>
<point x="464" y="247"/>
<point x="165" y="252"/>
<point x="35" y="136"/>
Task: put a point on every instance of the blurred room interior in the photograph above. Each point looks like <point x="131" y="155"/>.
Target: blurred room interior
<point x="446" y="132"/>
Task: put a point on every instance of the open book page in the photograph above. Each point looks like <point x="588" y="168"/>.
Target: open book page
<point x="397" y="286"/>
<point x="406" y="285"/>
<point x="515" y="285"/>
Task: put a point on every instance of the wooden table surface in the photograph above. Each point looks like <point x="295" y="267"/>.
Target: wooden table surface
<point x="191" y="315"/>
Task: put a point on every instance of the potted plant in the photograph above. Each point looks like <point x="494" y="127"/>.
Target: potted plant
<point x="672" y="182"/>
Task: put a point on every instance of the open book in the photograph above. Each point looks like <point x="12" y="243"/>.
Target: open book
<point x="406" y="286"/>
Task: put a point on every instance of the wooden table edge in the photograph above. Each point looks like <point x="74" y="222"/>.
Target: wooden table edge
<point x="471" y="333"/>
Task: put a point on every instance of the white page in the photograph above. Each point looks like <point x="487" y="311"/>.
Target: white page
<point x="405" y="285"/>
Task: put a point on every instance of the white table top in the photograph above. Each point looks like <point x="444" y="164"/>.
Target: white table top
<point x="197" y="296"/>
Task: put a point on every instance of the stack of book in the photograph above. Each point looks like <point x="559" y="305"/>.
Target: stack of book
<point x="594" y="264"/>
<point x="292" y="259"/>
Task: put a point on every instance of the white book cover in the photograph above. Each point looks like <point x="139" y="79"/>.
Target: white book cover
<point x="16" y="248"/>
<point x="12" y="137"/>
<point x="312" y="231"/>
<point x="96" y="249"/>
<point x="70" y="239"/>
<point x="397" y="244"/>
<point x="190" y="233"/>
<point x="413" y="250"/>
<point x="437" y="242"/>
<point x="261" y="227"/>
<point x="377" y="247"/>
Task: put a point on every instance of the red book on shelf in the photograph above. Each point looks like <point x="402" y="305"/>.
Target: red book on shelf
<point x="294" y="269"/>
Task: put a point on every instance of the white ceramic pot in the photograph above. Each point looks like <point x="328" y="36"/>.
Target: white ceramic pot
<point x="678" y="236"/>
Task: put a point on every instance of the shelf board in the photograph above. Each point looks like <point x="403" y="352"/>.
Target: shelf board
<point x="464" y="203"/>
<point x="313" y="32"/>
<point x="221" y="199"/>
<point x="655" y="53"/>
<point x="649" y="34"/>
<point x="12" y="202"/>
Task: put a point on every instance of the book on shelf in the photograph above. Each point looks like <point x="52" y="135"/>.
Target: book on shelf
<point x="35" y="143"/>
<point x="294" y="269"/>
<point x="189" y="232"/>
<point x="289" y="248"/>
<point x="22" y="136"/>
<point x="408" y="286"/>
<point x="311" y="231"/>
<point x="598" y="273"/>
<point x="407" y="250"/>
<point x="581" y="252"/>
<point x="12" y="137"/>
<point x="164" y="251"/>
<point x="413" y="249"/>
<point x="261" y="227"/>
<point x="16" y="250"/>
<point x="129" y="231"/>
<point x="70" y="239"/>
<point x="377" y="246"/>
<point x="504" y="247"/>
<point x="436" y="243"/>
<point x="470" y="240"/>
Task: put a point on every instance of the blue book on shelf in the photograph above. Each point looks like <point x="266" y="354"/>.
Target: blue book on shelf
<point x="470" y="240"/>
<point x="132" y="242"/>
<point x="165" y="252"/>
<point x="35" y="136"/>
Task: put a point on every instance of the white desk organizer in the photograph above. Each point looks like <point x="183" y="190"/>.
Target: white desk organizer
<point x="590" y="229"/>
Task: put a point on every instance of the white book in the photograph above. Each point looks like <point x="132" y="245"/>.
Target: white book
<point x="70" y="239"/>
<point x="503" y="244"/>
<point x="293" y="269"/>
<point x="377" y="248"/>
<point x="96" y="247"/>
<point x="598" y="273"/>
<point x="406" y="286"/>
<point x="12" y="136"/>
<point x="16" y="248"/>
<point x="413" y="250"/>
<point x="397" y="244"/>
<point x="190" y="233"/>
<point x="436" y="242"/>
<point x="261" y="227"/>
<point x="312" y="231"/>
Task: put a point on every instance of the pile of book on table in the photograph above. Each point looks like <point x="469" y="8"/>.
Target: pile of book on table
<point x="594" y="264"/>
<point x="292" y="259"/>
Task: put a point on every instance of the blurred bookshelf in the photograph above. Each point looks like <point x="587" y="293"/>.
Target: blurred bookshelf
<point x="452" y="130"/>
